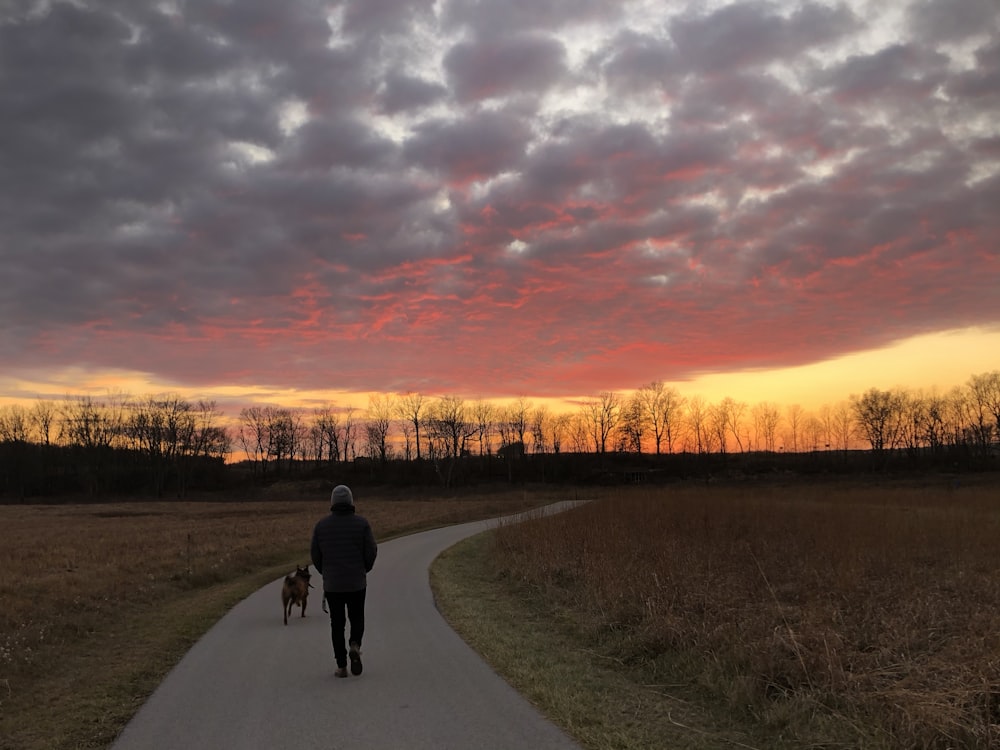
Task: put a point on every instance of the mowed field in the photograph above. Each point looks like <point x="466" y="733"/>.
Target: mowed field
<point x="100" y="600"/>
<point x="829" y="615"/>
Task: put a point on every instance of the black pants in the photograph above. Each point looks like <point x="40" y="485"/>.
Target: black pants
<point x="354" y="604"/>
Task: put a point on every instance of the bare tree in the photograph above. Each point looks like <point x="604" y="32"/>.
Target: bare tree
<point x="842" y="426"/>
<point x="609" y="415"/>
<point x="484" y="415"/>
<point x="96" y="428"/>
<point x="959" y="417"/>
<point x="15" y="424"/>
<point x="506" y="430"/>
<point x="375" y="445"/>
<point x="411" y="407"/>
<point x="984" y="393"/>
<point x="697" y="422"/>
<point x="539" y="426"/>
<point x="825" y="418"/>
<point x="735" y="412"/>
<point x="913" y="421"/>
<point x="663" y="408"/>
<point x="266" y="434"/>
<point x="297" y="432"/>
<point x="211" y="440"/>
<point x="162" y="428"/>
<point x="450" y="428"/>
<point x="812" y="429"/>
<point x="632" y="424"/>
<point x="559" y="431"/>
<point x="326" y="424"/>
<point x="718" y="426"/>
<point x="795" y="417"/>
<point x="348" y="434"/>
<point x="579" y="433"/>
<point x="519" y="417"/>
<point x="280" y="436"/>
<point x="877" y="414"/>
<point x="601" y="415"/>
<point x="406" y="430"/>
<point x="250" y="437"/>
<point x="380" y="411"/>
<point x="43" y="418"/>
<point x="766" y="418"/>
<point x="992" y="397"/>
<point x="937" y="416"/>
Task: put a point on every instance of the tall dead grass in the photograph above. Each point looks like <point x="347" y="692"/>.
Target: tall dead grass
<point x="874" y="610"/>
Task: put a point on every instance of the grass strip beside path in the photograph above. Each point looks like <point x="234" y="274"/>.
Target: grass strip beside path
<point x="86" y="700"/>
<point x="544" y="654"/>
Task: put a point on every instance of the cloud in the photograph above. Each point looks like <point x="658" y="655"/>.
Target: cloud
<point x="495" y="68"/>
<point x="952" y="21"/>
<point x="402" y="92"/>
<point x="756" y="33"/>
<point x="469" y="148"/>
<point x="898" y="71"/>
<point x="485" y="17"/>
<point x="487" y="197"/>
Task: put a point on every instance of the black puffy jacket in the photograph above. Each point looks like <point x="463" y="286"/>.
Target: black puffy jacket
<point x="343" y="549"/>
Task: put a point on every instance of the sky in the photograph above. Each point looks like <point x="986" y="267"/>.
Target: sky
<point x="307" y="201"/>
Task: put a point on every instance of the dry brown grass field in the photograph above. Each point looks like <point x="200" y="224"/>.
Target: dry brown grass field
<point x="844" y="615"/>
<point x="100" y="600"/>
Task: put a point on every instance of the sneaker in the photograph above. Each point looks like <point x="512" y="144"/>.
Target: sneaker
<point x="340" y="672"/>
<point x="355" y="655"/>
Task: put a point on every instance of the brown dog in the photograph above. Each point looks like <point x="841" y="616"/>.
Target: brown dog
<point x="295" y="591"/>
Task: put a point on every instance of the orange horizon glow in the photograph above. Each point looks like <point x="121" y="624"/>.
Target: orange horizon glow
<point x="935" y="362"/>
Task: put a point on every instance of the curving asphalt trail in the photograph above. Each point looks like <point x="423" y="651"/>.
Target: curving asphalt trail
<point x="252" y="682"/>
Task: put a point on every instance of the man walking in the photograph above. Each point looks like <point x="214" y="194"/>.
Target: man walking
<point x="343" y="550"/>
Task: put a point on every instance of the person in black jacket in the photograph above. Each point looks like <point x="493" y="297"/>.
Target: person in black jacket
<point x="343" y="551"/>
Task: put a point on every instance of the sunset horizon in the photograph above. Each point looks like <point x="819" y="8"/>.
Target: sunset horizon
<point x="809" y="386"/>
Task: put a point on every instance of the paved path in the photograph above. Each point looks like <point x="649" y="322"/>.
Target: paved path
<point x="252" y="682"/>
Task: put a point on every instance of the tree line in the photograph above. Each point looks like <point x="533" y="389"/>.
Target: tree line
<point x="112" y="444"/>
<point x="165" y="442"/>
<point x="654" y="419"/>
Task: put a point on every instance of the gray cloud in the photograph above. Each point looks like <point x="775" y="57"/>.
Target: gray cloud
<point x="900" y="71"/>
<point x="755" y="33"/>
<point x="983" y="81"/>
<point x="639" y="62"/>
<point x="473" y="147"/>
<point x="402" y="93"/>
<point x="954" y="20"/>
<point x="485" y="17"/>
<point x="495" y="68"/>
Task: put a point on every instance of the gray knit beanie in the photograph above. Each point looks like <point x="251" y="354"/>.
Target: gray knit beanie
<point x="342" y="496"/>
